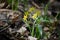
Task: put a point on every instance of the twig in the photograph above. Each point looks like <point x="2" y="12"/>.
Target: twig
<point x="35" y="4"/>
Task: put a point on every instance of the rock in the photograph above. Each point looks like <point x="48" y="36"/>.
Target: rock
<point x="1" y="5"/>
<point x="32" y="38"/>
<point x="22" y="30"/>
<point x="46" y="29"/>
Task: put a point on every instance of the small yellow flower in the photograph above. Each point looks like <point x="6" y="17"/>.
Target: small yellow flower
<point x="34" y="16"/>
<point x="37" y="13"/>
<point x="31" y="9"/>
<point x="25" y="17"/>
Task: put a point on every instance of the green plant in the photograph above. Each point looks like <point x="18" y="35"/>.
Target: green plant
<point x="15" y="3"/>
<point x="36" y="28"/>
<point x="46" y="7"/>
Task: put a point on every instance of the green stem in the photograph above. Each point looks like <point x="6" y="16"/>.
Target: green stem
<point x="32" y="33"/>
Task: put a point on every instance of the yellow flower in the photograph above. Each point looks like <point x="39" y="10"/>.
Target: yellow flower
<point x="31" y="9"/>
<point x="37" y="13"/>
<point x="34" y="16"/>
<point x="25" y="17"/>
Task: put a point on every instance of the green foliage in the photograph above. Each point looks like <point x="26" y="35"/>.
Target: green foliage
<point x="36" y="28"/>
<point x="25" y="2"/>
<point x="13" y="3"/>
<point x="46" y="8"/>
